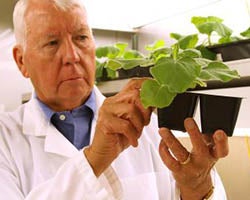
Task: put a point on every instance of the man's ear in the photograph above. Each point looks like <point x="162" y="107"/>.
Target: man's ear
<point x="18" y="56"/>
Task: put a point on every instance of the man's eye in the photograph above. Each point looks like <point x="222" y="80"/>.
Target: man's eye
<point x="81" y="37"/>
<point x="53" y="43"/>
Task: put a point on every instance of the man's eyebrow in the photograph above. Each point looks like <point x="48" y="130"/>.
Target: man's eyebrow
<point x="83" y="29"/>
<point x="51" y="35"/>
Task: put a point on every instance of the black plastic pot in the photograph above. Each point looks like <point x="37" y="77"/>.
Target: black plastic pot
<point x="216" y="112"/>
<point x="219" y="112"/>
<point x="233" y="50"/>
<point x="173" y="116"/>
<point x="134" y="72"/>
<point x="124" y="74"/>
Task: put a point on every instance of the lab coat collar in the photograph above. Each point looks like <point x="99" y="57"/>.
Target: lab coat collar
<point x="35" y="124"/>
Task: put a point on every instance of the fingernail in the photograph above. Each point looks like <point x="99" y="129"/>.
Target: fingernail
<point x="190" y="124"/>
<point x="163" y="132"/>
<point x="218" y="136"/>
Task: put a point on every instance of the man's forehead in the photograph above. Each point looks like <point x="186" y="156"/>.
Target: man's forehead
<point x="45" y="17"/>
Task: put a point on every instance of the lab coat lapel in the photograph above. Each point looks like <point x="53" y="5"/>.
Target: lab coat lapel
<point x="56" y="143"/>
<point x="35" y="124"/>
<point x="99" y="100"/>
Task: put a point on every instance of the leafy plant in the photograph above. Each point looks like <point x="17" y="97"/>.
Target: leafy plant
<point x="179" y="71"/>
<point x="216" y="32"/>
<point x="246" y="33"/>
<point x="212" y="24"/>
<point x="213" y="27"/>
<point x="174" y="70"/>
<point x="113" y="57"/>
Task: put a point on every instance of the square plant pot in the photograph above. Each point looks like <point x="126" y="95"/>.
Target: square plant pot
<point x="233" y="50"/>
<point x="173" y="116"/>
<point x="219" y="112"/>
<point x="124" y="74"/>
<point x="134" y="72"/>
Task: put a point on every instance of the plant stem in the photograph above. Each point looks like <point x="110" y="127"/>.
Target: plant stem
<point x="209" y="40"/>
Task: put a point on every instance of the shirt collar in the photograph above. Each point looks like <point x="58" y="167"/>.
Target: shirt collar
<point x="91" y="103"/>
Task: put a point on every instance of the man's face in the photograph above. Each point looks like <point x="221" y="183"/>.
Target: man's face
<point x="59" y="56"/>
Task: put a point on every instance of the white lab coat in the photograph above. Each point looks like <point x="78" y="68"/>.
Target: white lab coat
<point x="37" y="162"/>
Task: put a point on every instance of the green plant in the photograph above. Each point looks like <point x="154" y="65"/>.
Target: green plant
<point x="215" y="31"/>
<point x="212" y="24"/>
<point x="246" y="33"/>
<point x="209" y="26"/>
<point x="173" y="70"/>
<point x="113" y="57"/>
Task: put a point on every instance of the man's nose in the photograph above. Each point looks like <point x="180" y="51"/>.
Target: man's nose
<point x="71" y="53"/>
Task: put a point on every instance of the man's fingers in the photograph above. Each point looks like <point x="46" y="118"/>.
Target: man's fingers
<point x="178" y="150"/>
<point x="132" y="114"/>
<point x="134" y="83"/>
<point x="167" y="157"/>
<point x="121" y="127"/>
<point x="131" y="94"/>
<point x="122" y="118"/>
<point x="220" y="148"/>
<point x="197" y="141"/>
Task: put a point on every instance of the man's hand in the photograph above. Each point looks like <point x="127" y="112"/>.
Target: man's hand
<point x="191" y="170"/>
<point x="120" y="122"/>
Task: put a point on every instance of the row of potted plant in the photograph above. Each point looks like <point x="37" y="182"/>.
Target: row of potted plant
<point x="219" y="39"/>
<point x="173" y="70"/>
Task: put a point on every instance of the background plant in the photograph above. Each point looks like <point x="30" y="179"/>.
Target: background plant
<point x="212" y="27"/>
<point x="174" y="70"/>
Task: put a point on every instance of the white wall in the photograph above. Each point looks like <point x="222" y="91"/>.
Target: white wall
<point x="12" y="85"/>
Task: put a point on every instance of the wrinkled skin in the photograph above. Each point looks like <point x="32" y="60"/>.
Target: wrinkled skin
<point x="119" y="125"/>
<point x="58" y="55"/>
<point x="193" y="178"/>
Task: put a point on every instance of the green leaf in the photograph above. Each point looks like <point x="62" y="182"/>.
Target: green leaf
<point x="203" y="62"/>
<point x="122" y="47"/>
<point x="156" y="45"/>
<point x="99" y="70"/>
<point x="218" y="71"/>
<point x="132" y="54"/>
<point x="206" y="53"/>
<point x="160" y="52"/>
<point x="188" y="41"/>
<point x="209" y="27"/>
<point x="113" y="64"/>
<point x="176" y="36"/>
<point x="175" y="50"/>
<point x="223" y="40"/>
<point x="176" y="75"/>
<point x="246" y="33"/>
<point x="111" y="73"/>
<point x="192" y="53"/>
<point x="131" y="63"/>
<point x="155" y="95"/>
<point x="199" y="82"/>
<point x="107" y="52"/>
<point x="198" y="20"/>
<point x="223" y="30"/>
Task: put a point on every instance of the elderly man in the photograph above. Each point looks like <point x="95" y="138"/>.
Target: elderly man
<point x="69" y="142"/>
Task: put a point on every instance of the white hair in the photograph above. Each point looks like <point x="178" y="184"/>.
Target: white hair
<point x="20" y="28"/>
